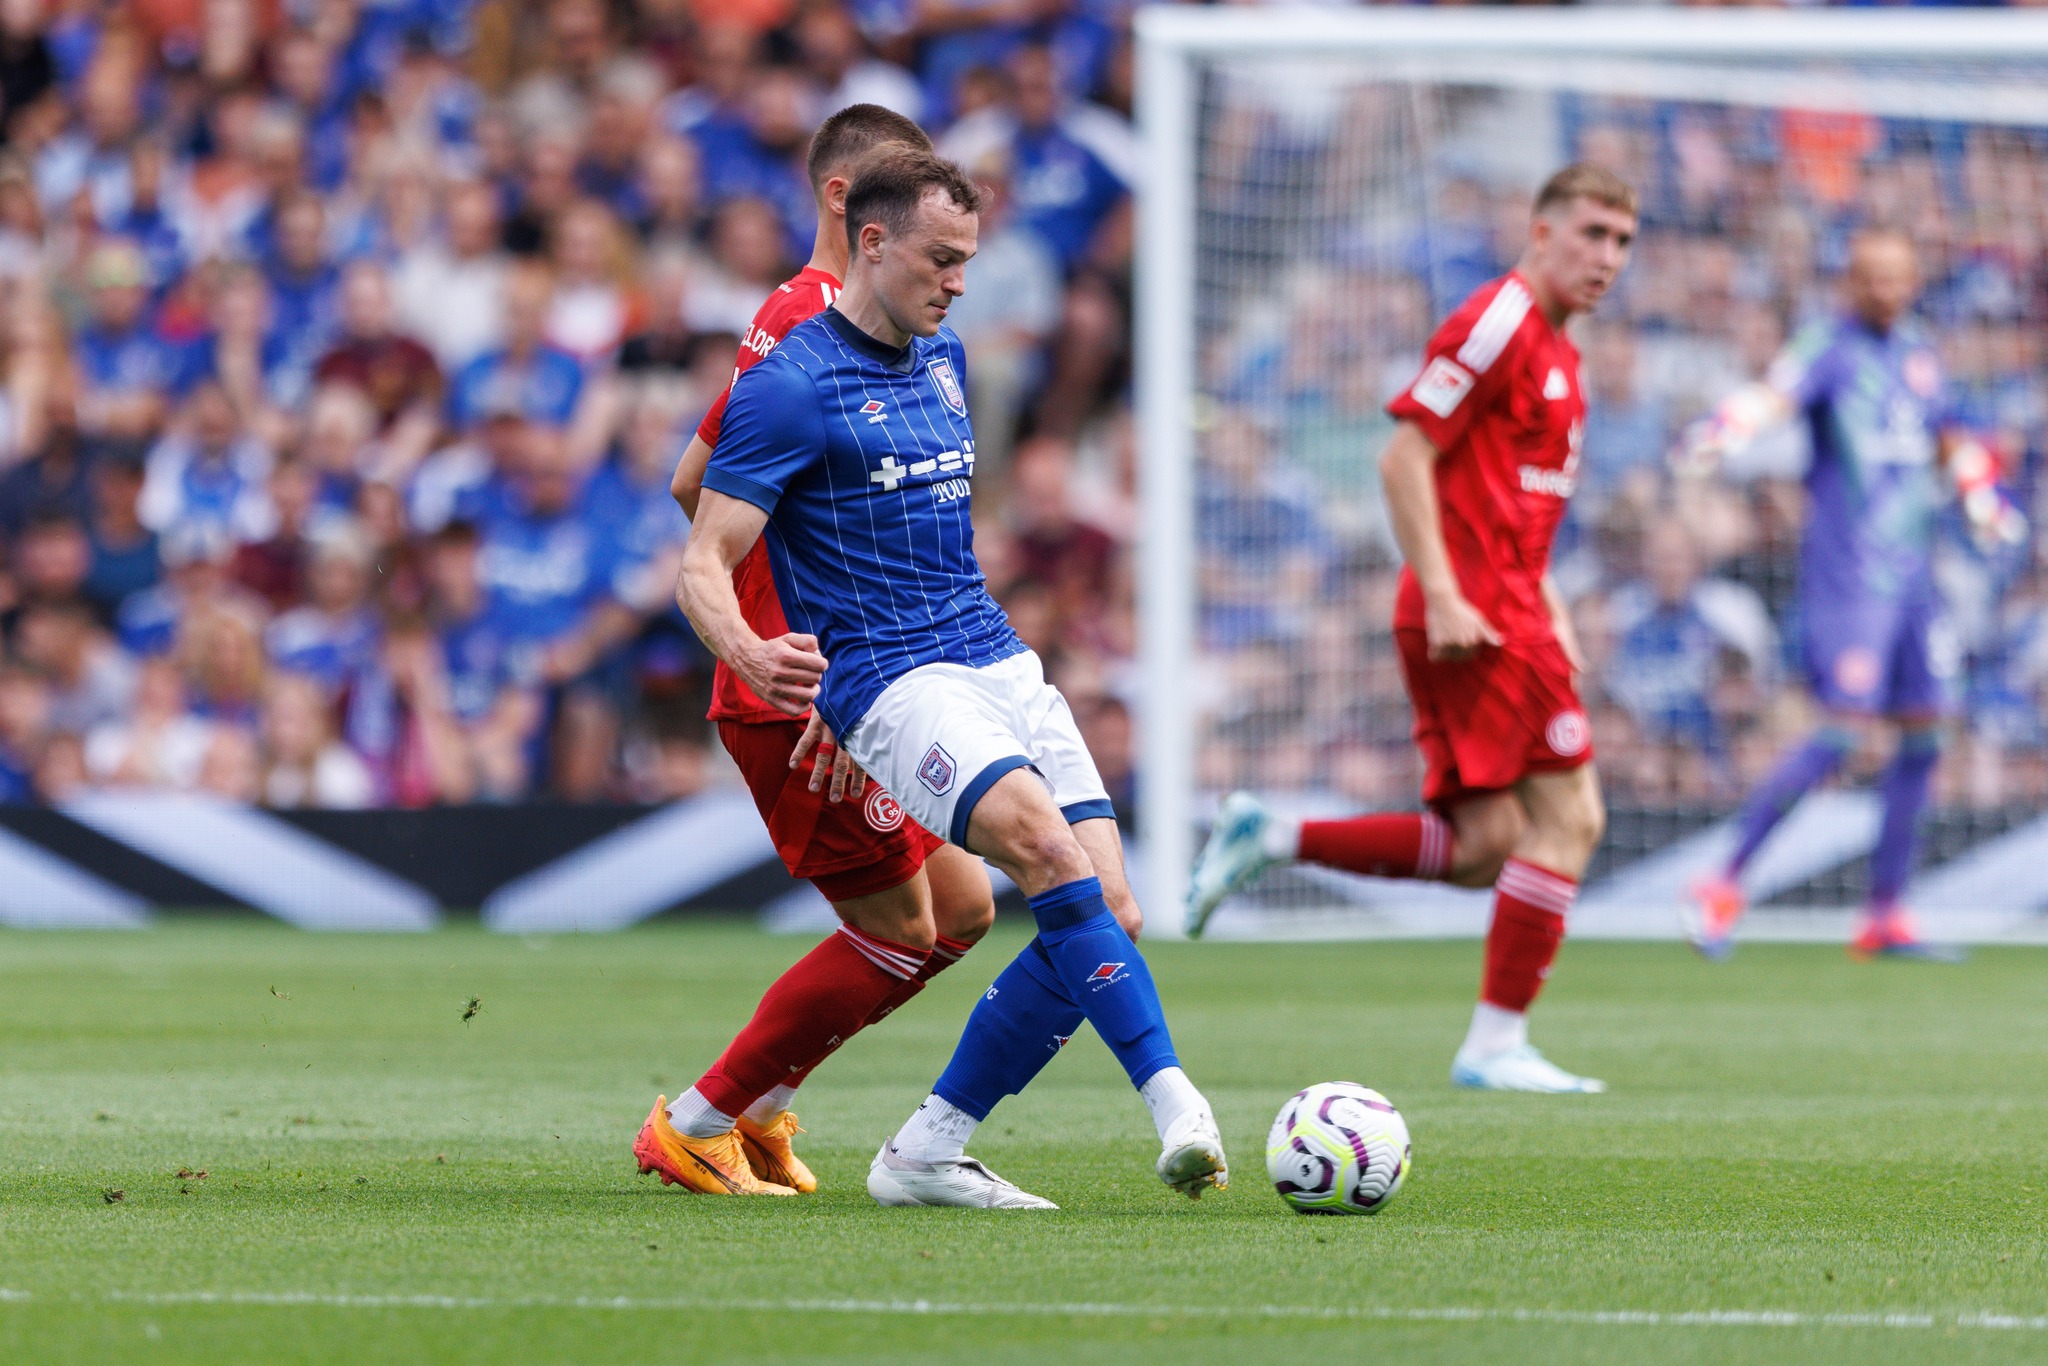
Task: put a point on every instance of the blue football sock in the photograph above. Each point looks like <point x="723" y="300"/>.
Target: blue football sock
<point x="1777" y="794"/>
<point x="1905" y="793"/>
<point x="1018" y="1026"/>
<point x="1103" y="971"/>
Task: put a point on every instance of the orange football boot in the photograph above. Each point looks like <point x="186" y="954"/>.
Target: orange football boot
<point x="710" y="1166"/>
<point x="1888" y="932"/>
<point x="1718" y="903"/>
<point x="771" y="1152"/>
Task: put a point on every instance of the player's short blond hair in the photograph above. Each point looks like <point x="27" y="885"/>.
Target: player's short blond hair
<point x="1582" y="180"/>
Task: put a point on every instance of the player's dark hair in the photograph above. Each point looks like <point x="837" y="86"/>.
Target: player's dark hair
<point x="1586" y="181"/>
<point x="893" y="182"/>
<point x="849" y="135"/>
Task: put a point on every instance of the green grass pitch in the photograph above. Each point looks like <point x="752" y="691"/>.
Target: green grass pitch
<point x="384" y="1181"/>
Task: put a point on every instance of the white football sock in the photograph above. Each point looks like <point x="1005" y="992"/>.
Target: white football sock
<point x="769" y="1108"/>
<point x="1169" y="1094"/>
<point x="938" y="1132"/>
<point x="696" y="1117"/>
<point x="1281" y="838"/>
<point x="1495" y="1030"/>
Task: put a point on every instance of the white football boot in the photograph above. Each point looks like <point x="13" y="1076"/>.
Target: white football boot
<point x="1519" y="1069"/>
<point x="1235" y="854"/>
<point x="897" y="1180"/>
<point x="1191" y="1157"/>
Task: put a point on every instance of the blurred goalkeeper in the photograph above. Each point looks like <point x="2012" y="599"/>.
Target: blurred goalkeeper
<point x="1477" y="474"/>
<point x="1870" y="390"/>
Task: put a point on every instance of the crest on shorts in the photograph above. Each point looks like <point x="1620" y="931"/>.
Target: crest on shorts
<point x="937" y="771"/>
<point x="941" y="371"/>
<point x="1567" y="733"/>
<point x="882" y="811"/>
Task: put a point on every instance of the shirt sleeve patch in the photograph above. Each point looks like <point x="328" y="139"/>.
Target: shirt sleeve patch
<point x="1443" y="386"/>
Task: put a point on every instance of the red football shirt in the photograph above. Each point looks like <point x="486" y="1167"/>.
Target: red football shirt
<point x="1499" y="398"/>
<point x="806" y="294"/>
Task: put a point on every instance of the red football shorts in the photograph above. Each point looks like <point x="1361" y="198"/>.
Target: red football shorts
<point x="847" y="849"/>
<point x="1485" y="723"/>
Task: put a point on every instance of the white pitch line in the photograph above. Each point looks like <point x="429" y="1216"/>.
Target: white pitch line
<point x="1625" y="1318"/>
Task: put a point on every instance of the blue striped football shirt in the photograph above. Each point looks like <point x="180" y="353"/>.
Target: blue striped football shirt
<point x="860" y="453"/>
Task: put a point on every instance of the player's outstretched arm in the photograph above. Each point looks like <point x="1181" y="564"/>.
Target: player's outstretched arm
<point x="784" y="672"/>
<point x="1457" y="630"/>
<point x="688" y="484"/>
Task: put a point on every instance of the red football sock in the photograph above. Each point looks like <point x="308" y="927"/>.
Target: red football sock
<point x="945" y="953"/>
<point x="1405" y="844"/>
<point x="821" y="1002"/>
<point x="1529" y="904"/>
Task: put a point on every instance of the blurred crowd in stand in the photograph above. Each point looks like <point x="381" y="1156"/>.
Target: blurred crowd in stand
<point x="347" y="348"/>
<point x="1682" y="589"/>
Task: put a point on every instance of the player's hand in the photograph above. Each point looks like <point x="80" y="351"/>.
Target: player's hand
<point x="848" y="779"/>
<point x="785" y="672"/>
<point x="1456" y="629"/>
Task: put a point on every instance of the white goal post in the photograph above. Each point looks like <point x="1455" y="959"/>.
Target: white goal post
<point x="1905" y="63"/>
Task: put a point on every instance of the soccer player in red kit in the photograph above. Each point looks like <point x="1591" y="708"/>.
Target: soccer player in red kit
<point x="909" y="904"/>
<point x="1476" y="475"/>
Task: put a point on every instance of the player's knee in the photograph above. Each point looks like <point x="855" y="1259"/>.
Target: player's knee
<point x="967" y="920"/>
<point x="1124" y="907"/>
<point x="1485" y="835"/>
<point x="894" y="916"/>
<point x="1048" y="855"/>
<point x="1479" y="867"/>
<point x="1582" y="823"/>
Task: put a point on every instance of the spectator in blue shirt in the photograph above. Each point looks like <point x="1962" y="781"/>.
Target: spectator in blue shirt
<point x="526" y="375"/>
<point x="335" y="635"/>
<point x="549" y="569"/>
<point x="195" y="560"/>
<point x="767" y="161"/>
<point x="1070" y="171"/>
<point x="304" y="287"/>
<point x="211" y="470"/>
<point x="546" y="564"/>
<point x="124" y="551"/>
<point x="125" y="366"/>
<point x="494" y="707"/>
<point x="1671" y="630"/>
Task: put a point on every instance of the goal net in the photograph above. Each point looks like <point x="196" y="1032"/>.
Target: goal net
<point x="1323" y="187"/>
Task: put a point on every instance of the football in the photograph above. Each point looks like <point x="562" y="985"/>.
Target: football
<point x="1338" y="1148"/>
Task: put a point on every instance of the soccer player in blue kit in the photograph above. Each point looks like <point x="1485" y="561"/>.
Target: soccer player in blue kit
<point x="850" y="444"/>
<point x="1870" y="389"/>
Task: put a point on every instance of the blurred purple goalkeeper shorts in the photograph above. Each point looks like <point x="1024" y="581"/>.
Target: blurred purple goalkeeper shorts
<point x="1880" y="657"/>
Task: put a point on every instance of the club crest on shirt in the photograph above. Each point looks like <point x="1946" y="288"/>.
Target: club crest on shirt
<point x="937" y="771"/>
<point x="1922" y="374"/>
<point x="941" y="371"/>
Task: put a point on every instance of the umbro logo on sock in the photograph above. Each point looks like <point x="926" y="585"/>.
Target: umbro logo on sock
<point x="1104" y="975"/>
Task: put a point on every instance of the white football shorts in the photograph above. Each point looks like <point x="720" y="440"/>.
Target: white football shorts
<point x="941" y="735"/>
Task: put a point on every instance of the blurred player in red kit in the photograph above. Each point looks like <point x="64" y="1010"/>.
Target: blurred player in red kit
<point x="909" y="904"/>
<point x="1476" y="475"/>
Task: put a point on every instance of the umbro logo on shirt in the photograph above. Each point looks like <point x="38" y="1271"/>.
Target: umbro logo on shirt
<point x="872" y="410"/>
<point x="1555" y="388"/>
